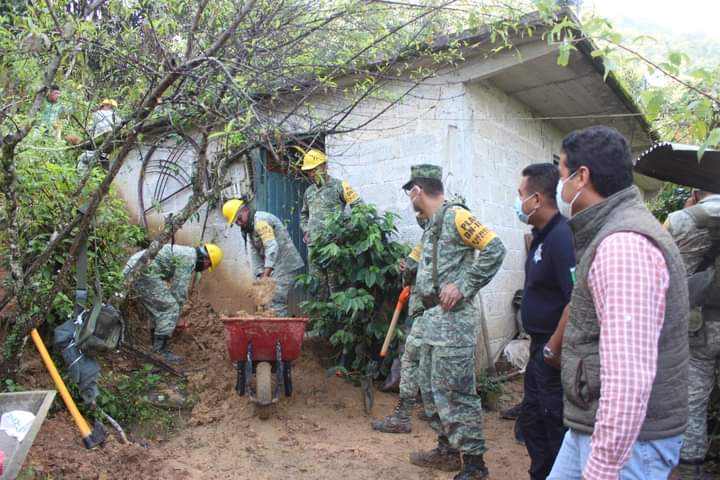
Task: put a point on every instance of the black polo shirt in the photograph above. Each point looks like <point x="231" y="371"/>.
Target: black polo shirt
<point x="549" y="270"/>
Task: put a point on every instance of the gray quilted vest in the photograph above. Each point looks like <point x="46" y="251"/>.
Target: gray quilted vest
<point x="667" y="411"/>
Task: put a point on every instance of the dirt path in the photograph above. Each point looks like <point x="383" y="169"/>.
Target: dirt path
<point x="320" y="433"/>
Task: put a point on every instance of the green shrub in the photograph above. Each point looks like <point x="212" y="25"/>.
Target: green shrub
<point x="362" y="253"/>
<point x="47" y="182"/>
<point x="670" y="198"/>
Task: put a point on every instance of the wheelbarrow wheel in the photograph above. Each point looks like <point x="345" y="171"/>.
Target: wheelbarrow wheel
<point x="287" y="379"/>
<point x="263" y="376"/>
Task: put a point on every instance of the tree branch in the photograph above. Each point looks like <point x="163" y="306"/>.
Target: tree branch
<point x="194" y="27"/>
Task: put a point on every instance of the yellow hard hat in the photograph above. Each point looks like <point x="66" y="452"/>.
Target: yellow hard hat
<point x="214" y="253"/>
<point x="231" y="209"/>
<point x="313" y="158"/>
<point x="109" y="101"/>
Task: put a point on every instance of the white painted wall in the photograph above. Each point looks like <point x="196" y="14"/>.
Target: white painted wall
<point x="225" y="287"/>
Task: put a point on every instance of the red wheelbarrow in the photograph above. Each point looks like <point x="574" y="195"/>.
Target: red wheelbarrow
<point x="263" y="345"/>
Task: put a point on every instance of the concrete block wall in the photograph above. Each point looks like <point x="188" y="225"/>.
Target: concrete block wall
<point x="482" y="138"/>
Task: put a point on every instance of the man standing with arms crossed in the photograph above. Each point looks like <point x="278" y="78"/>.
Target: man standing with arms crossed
<point x="459" y="255"/>
<point x="548" y="284"/>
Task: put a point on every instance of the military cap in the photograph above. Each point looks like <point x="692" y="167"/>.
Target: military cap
<point x="423" y="170"/>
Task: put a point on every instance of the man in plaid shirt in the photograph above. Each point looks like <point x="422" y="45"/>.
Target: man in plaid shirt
<point x="625" y="349"/>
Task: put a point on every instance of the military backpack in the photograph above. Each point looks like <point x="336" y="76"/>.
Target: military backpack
<point x="704" y="282"/>
<point x="99" y="330"/>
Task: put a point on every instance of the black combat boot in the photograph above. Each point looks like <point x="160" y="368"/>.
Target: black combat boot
<point x="399" y="421"/>
<point x="160" y="346"/>
<point x="511" y="413"/>
<point x="473" y="468"/>
<point x="443" y="457"/>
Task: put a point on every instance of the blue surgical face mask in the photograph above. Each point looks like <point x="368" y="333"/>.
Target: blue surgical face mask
<point x="519" y="202"/>
<point x="564" y="207"/>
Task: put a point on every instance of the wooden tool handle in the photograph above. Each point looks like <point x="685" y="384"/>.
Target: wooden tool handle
<point x="404" y="295"/>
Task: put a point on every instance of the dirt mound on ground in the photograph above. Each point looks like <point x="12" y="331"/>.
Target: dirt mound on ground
<point x="210" y="373"/>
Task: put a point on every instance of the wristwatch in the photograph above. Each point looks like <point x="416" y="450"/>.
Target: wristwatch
<point x="547" y="353"/>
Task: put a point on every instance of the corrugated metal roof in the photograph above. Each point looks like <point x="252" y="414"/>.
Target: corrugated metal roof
<point x="678" y="163"/>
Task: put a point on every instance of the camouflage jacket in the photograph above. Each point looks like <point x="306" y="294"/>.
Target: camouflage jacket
<point x="321" y="201"/>
<point x="469" y="255"/>
<point x="692" y="241"/>
<point x="271" y="245"/>
<point x="172" y="267"/>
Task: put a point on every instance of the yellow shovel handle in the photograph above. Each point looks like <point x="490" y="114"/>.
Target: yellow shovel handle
<point x="69" y="402"/>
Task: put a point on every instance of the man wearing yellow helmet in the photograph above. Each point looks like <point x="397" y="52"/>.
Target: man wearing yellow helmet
<point x="272" y="251"/>
<point x="105" y="118"/>
<point x="163" y="287"/>
<point x="325" y="196"/>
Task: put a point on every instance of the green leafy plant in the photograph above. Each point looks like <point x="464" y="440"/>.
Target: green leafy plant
<point x="670" y="199"/>
<point x="360" y="250"/>
<point x="490" y="389"/>
<point x="8" y="385"/>
<point x="123" y="396"/>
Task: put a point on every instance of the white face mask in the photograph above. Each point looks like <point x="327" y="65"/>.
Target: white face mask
<point x="565" y="207"/>
<point x="519" y="202"/>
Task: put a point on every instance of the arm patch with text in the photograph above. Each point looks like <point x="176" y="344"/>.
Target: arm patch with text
<point x="416" y="252"/>
<point x="349" y="195"/>
<point x="264" y="231"/>
<point x="473" y="233"/>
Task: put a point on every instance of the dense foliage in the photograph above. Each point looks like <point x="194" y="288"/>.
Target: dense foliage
<point x="361" y="251"/>
<point x="47" y="185"/>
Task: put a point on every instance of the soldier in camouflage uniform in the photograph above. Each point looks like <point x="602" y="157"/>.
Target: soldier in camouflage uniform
<point x="327" y="195"/>
<point x="162" y="288"/>
<point x="693" y="243"/>
<point x="399" y="421"/>
<point x="272" y="250"/>
<point x="459" y="256"/>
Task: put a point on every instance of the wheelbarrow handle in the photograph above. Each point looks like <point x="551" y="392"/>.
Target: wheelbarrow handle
<point x="402" y="300"/>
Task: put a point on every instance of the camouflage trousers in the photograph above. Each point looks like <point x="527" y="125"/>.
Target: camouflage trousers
<point x="283" y="283"/>
<point x="704" y="365"/>
<point x="161" y="306"/>
<point x="447" y="384"/>
<point x="410" y="361"/>
<point x="327" y="279"/>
